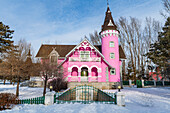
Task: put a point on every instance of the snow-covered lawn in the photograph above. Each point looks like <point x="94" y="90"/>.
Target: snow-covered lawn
<point x="138" y="100"/>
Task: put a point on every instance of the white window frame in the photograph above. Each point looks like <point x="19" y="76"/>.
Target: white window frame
<point x="111" y="44"/>
<point x="55" y="58"/>
<point x="112" y="55"/>
<point x="112" y="69"/>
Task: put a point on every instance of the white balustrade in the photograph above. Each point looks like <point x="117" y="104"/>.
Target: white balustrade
<point x="90" y="59"/>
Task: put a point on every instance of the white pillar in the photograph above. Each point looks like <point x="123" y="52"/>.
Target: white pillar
<point x="130" y="83"/>
<point x="143" y="83"/>
<point x="120" y="98"/>
<point x="154" y="83"/>
<point x="49" y="98"/>
<point x="163" y="83"/>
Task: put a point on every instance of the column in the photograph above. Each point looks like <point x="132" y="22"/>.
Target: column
<point x="143" y="83"/>
<point x="79" y="75"/>
<point x="89" y="76"/>
<point x="99" y="75"/>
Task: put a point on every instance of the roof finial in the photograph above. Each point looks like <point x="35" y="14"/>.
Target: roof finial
<point x="107" y="3"/>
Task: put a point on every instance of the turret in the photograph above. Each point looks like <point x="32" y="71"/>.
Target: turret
<point x="110" y="44"/>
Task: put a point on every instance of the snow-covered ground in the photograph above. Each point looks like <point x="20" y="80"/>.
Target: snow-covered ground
<point x="138" y="100"/>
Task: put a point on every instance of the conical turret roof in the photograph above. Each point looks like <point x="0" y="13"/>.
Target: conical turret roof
<point x="108" y="22"/>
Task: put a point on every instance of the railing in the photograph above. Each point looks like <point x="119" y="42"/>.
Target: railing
<point x="85" y="94"/>
<point x="74" y="78"/>
<point x="148" y="83"/>
<point x="94" y="79"/>
<point x="37" y="100"/>
<point x="84" y="78"/>
<point x="90" y="59"/>
<point x="125" y="82"/>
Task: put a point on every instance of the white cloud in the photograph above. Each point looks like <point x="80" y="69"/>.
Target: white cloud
<point x="34" y="22"/>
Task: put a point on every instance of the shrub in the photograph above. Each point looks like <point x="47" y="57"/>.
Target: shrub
<point x="7" y="101"/>
<point x="58" y="84"/>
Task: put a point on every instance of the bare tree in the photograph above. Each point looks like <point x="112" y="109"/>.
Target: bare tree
<point x="95" y="38"/>
<point x="15" y="64"/>
<point x="166" y="12"/>
<point x="136" y="40"/>
<point x="50" y="71"/>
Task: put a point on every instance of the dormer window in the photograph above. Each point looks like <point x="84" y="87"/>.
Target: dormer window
<point x="54" y="59"/>
<point x="54" y="56"/>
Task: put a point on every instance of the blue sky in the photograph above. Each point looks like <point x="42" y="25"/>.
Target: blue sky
<point x="67" y="21"/>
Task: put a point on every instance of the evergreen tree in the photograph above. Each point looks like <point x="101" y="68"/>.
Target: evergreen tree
<point x="159" y="52"/>
<point x="5" y="37"/>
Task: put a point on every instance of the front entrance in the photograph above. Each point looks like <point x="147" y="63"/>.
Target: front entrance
<point x="84" y="74"/>
<point x="85" y="94"/>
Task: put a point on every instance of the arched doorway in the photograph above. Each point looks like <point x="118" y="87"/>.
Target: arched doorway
<point x="84" y="74"/>
<point x="84" y="71"/>
<point x="74" y="74"/>
<point x="74" y="71"/>
<point x="94" y="73"/>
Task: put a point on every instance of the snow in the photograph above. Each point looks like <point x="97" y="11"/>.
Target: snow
<point x="138" y="100"/>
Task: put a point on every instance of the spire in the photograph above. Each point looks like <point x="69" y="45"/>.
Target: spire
<point x="29" y="60"/>
<point x="29" y="53"/>
<point x="108" y="22"/>
<point x="107" y="3"/>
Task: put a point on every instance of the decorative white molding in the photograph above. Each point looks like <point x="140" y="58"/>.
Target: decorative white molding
<point x="109" y="32"/>
<point x="54" y="53"/>
<point x="93" y="67"/>
<point x="85" y="66"/>
<point x="69" y="75"/>
<point x="73" y="67"/>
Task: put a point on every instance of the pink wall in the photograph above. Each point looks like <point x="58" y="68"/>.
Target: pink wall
<point x="96" y="70"/>
<point x="106" y="50"/>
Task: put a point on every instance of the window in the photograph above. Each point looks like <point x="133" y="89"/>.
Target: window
<point x="111" y="44"/>
<point x="53" y="59"/>
<point x="113" y="71"/>
<point x="84" y="54"/>
<point x="112" y="55"/>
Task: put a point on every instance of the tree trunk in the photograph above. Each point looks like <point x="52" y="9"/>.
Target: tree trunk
<point x="10" y="81"/>
<point x="4" y="81"/>
<point x="13" y="83"/>
<point x="45" y="84"/>
<point x="17" y="91"/>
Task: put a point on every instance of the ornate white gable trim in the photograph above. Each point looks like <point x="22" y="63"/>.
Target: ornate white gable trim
<point x="91" y="45"/>
<point x="54" y="53"/>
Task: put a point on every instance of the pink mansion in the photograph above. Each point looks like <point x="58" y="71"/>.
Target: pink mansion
<point x="85" y="63"/>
